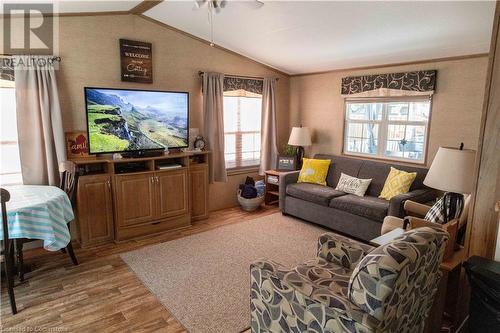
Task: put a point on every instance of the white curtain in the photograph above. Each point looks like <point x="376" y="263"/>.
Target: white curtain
<point x="269" y="145"/>
<point x="39" y="121"/>
<point x="213" y="101"/>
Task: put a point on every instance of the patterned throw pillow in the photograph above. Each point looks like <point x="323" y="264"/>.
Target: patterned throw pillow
<point x="397" y="182"/>
<point x="353" y="185"/>
<point x="314" y="171"/>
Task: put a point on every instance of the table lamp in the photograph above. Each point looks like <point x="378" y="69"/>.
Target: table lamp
<point x="300" y="137"/>
<point x="452" y="171"/>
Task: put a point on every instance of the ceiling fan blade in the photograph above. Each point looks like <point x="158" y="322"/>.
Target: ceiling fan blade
<point x="200" y="3"/>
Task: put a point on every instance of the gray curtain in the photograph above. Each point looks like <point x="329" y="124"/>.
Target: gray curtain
<point x="269" y="136"/>
<point x="39" y="121"/>
<point x="213" y="101"/>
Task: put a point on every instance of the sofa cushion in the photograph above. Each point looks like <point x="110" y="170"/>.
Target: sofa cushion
<point x="339" y="164"/>
<point x="378" y="172"/>
<point x="370" y="207"/>
<point x="313" y="193"/>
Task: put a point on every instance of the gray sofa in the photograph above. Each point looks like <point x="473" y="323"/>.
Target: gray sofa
<point x="358" y="217"/>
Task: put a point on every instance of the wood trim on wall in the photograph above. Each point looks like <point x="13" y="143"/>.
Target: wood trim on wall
<point x="144" y="6"/>
<point x="482" y="228"/>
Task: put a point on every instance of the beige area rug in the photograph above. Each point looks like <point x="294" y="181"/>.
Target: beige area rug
<point x="204" y="279"/>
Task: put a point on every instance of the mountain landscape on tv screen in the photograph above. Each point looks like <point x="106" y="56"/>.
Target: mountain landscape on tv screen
<point x="134" y="120"/>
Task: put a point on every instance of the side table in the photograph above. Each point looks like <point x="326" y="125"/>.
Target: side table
<point x="272" y="181"/>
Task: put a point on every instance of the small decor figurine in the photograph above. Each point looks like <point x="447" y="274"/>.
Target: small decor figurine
<point x="200" y="143"/>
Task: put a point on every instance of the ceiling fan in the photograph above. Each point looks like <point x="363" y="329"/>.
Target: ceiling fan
<point x="216" y="6"/>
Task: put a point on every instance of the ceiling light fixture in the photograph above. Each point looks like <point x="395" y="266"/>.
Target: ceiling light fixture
<point x="217" y="5"/>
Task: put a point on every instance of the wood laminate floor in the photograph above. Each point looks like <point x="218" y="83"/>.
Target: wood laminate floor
<point x="101" y="294"/>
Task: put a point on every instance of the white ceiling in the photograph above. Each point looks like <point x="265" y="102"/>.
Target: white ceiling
<point x="310" y="36"/>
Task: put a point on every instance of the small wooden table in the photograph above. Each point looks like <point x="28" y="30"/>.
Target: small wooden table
<point x="272" y="181"/>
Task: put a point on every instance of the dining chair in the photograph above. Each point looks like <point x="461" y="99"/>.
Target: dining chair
<point x="68" y="180"/>
<point x="8" y="251"/>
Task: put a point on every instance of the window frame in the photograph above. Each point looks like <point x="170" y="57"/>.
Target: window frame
<point x="10" y="143"/>
<point x="384" y="125"/>
<point x="238" y="139"/>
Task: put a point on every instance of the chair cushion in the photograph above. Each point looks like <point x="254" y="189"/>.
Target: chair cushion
<point x="370" y="207"/>
<point x="313" y="193"/>
<point x="322" y="280"/>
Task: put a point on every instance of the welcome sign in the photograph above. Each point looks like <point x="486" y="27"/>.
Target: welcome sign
<point x="136" y="61"/>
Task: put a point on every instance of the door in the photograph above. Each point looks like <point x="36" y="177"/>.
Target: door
<point x="172" y="187"/>
<point x="199" y="192"/>
<point x="135" y="198"/>
<point x="95" y="209"/>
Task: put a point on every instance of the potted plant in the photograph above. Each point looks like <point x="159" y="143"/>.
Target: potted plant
<point x="287" y="160"/>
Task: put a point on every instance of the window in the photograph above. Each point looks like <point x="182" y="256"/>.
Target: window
<point x="10" y="172"/>
<point x="242" y="118"/>
<point x="387" y="128"/>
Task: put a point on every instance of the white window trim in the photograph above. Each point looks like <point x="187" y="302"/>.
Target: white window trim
<point x="385" y="122"/>
<point x="232" y="167"/>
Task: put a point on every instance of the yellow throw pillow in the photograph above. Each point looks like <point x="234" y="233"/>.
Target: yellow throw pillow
<point x="314" y="171"/>
<point x="397" y="182"/>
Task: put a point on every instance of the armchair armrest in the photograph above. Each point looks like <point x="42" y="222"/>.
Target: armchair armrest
<point x="396" y="204"/>
<point x="341" y="250"/>
<point x="415" y="208"/>
<point x="286" y="179"/>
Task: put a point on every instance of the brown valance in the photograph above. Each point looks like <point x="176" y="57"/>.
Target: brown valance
<point x="418" y="81"/>
<point x="6" y="69"/>
<point x="236" y="83"/>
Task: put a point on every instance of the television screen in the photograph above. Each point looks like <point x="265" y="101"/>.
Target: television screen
<point x="120" y="120"/>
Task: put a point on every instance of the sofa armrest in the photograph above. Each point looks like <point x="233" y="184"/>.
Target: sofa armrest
<point x="286" y="178"/>
<point x="341" y="250"/>
<point x="396" y="204"/>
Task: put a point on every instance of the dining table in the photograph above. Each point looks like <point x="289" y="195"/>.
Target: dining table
<point x="39" y="212"/>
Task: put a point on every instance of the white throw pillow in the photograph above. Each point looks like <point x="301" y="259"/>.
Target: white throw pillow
<point x="353" y="185"/>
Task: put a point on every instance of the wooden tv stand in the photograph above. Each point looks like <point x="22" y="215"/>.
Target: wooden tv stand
<point x="119" y="199"/>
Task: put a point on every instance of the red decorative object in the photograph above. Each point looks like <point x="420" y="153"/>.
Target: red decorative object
<point x="76" y="145"/>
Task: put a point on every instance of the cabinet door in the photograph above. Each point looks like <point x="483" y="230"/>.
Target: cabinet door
<point x="172" y="187"/>
<point x="95" y="209"/>
<point x="135" y="199"/>
<point x="199" y="192"/>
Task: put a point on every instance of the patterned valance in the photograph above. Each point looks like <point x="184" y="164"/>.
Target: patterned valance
<point x="6" y="69"/>
<point x="419" y="81"/>
<point x="236" y="83"/>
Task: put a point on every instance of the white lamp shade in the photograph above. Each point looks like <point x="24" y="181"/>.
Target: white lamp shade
<point x="452" y="170"/>
<point x="300" y="136"/>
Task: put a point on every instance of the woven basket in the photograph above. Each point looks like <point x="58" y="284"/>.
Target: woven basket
<point x="249" y="205"/>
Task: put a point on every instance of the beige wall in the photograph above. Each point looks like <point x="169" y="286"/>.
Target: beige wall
<point x="315" y="101"/>
<point x="90" y="57"/>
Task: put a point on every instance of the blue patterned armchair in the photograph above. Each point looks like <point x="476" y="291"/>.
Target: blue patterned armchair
<point x="351" y="287"/>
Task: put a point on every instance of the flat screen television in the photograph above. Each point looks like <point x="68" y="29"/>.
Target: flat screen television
<point x="126" y="120"/>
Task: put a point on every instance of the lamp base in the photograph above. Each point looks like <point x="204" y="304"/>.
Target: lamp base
<point x="299" y="153"/>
